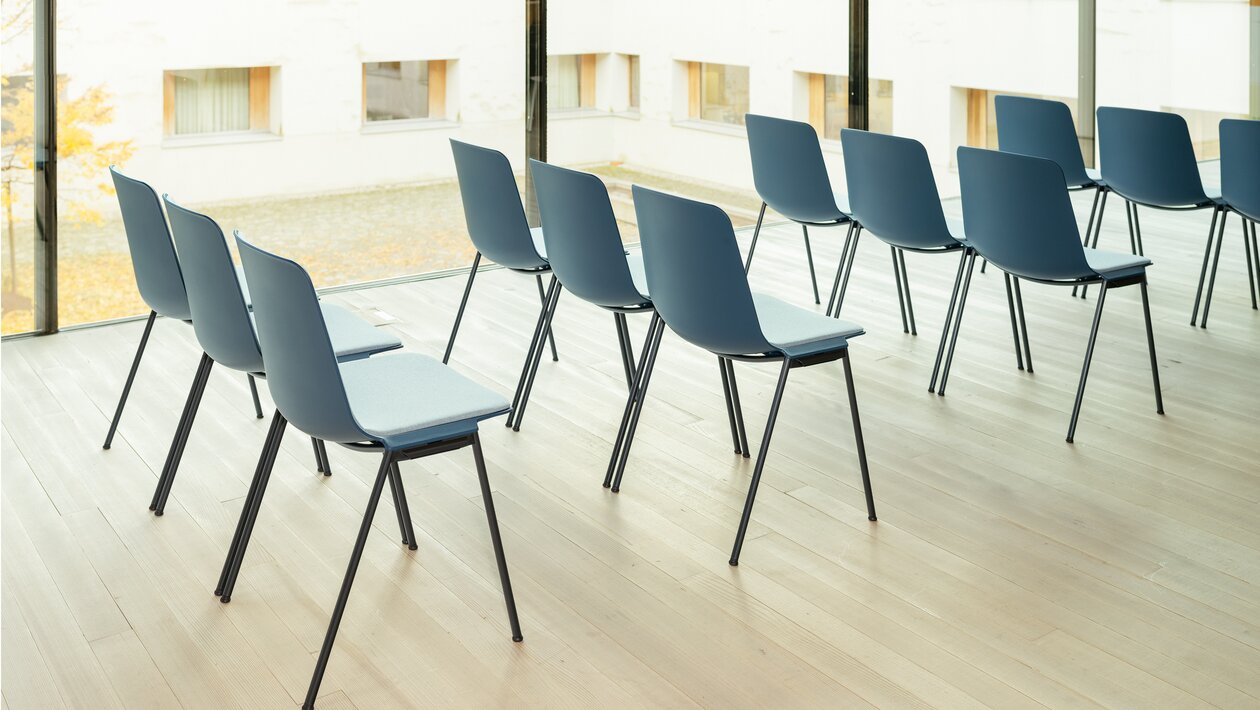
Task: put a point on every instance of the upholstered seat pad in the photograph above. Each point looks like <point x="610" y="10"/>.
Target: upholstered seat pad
<point x="396" y="395"/>
<point x="634" y="260"/>
<point x="1109" y="262"/>
<point x="535" y="233"/>
<point x="786" y="325"/>
<point x="351" y="335"/>
<point x="955" y="226"/>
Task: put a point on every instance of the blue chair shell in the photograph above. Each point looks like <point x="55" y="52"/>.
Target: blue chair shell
<point x="584" y="244"/>
<point x="492" y="207"/>
<point x="158" y="275"/>
<point x="788" y="170"/>
<point x="892" y="192"/>
<point x="1147" y="157"/>
<point x="1240" y="166"/>
<point x="1041" y="128"/>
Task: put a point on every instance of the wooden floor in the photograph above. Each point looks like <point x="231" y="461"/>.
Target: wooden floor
<point x="1008" y="568"/>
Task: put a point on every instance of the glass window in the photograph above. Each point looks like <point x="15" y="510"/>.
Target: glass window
<point x="570" y="81"/>
<point x="395" y="91"/>
<point x="200" y="101"/>
<point x="17" y="191"/>
<point x="633" y="100"/>
<point x="829" y="105"/>
<point x="982" y="115"/>
<point x="722" y="93"/>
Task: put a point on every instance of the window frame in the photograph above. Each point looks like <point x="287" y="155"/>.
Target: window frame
<point x="437" y="86"/>
<point x="261" y="114"/>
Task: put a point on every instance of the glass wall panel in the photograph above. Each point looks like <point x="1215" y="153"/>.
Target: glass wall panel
<point x="329" y="145"/>
<point x="17" y="158"/>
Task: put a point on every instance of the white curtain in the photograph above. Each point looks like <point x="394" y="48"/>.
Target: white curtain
<point x="211" y="100"/>
<point x="562" y="82"/>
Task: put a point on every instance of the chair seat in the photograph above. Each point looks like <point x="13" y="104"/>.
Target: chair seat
<point x="1095" y="175"/>
<point x="799" y="331"/>
<point x="535" y="233"/>
<point x="1114" y="264"/>
<point x="634" y="260"/>
<point x="352" y="336"/>
<point x="408" y="399"/>
<point x="240" y="279"/>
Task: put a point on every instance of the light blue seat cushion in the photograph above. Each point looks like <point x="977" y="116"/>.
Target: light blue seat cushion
<point x="1095" y="175"/>
<point x="408" y="399"/>
<point x="798" y="331"/>
<point x="955" y="227"/>
<point x="353" y="337"/>
<point x="634" y="260"/>
<point x="1113" y="264"/>
<point x="240" y="279"/>
<point x="535" y="233"/>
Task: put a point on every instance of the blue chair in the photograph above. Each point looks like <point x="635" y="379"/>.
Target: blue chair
<point x="1240" y="191"/>
<point x="790" y="176"/>
<point x="693" y="273"/>
<point x="402" y="407"/>
<point x="158" y="276"/>
<point x="586" y="254"/>
<point x="1148" y="159"/>
<point x="500" y="232"/>
<point x="893" y="195"/>
<point x="225" y="329"/>
<point x="1020" y="218"/>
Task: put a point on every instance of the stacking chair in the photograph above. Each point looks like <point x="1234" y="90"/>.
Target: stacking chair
<point x="225" y="330"/>
<point x="1044" y="128"/>
<point x="499" y="231"/>
<point x="893" y="195"/>
<point x="401" y="407"/>
<point x="158" y="276"/>
<point x="790" y="176"/>
<point x="586" y="254"/>
<point x="1020" y="218"/>
<point x="1240" y="191"/>
<point x="1148" y="159"/>
<point x="693" y="273"/>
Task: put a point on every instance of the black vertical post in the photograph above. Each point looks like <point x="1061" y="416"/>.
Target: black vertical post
<point x="45" y="79"/>
<point x="859" y="71"/>
<point x="535" y="96"/>
<point x="1086" y="71"/>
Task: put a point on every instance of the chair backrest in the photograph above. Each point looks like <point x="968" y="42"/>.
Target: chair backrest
<point x="1240" y="165"/>
<point x="220" y="316"/>
<point x="1042" y="128"/>
<point x="153" y="257"/>
<point x="492" y="207"/>
<point x="302" y="371"/>
<point x="583" y="243"/>
<point x="892" y="191"/>
<point x="1147" y="157"/>
<point x="695" y="274"/>
<point x="788" y="168"/>
<point x="1019" y="216"/>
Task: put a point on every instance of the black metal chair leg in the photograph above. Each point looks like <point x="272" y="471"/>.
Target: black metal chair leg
<point x="756" y="233"/>
<point x="459" y="315"/>
<point x="176" y="452"/>
<point x="1251" y="274"/>
<point x="1128" y="216"/>
<point x="542" y="298"/>
<point x="1089" y="355"/>
<point x="848" y="269"/>
<point x="730" y="410"/>
<point x="638" y="407"/>
<point x="844" y="254"/>
<point x="533" y="370"/>
<point x="953" y="339"/>
<point x="984" y="265"/>
<point x="1137" y="231"/>
<point x="1255" y="251"/>
<point x="259" y="482"/>
<point x="857" y="437"/>
<point x="1150" y="346"/>
<point x="1089" y="226"/>
<point x="534" y="343"/>
<point x="1102" y="207"/>
<point x="739" y="411"/>
<point x="1207" y="255"/>
<point x="487" y="500"/>
<point x="402" y="509"/>
<point x="1216" y="262"/>
<point x="631" y="400"/>
<point x="1010" y="306"/>
<point x="949" y="316"/>
<point x="131" y="376"/>
<point x="623" y="342"/>
<point x="319" y="456"/>
<point x="344" y="595"/>
<point x="323" y="455"/>
<point x="809" y="256"/>
<point x="901" y="297"/>
<point x="253" y="392"/>
<point x="905" y="280"/>
<point x="761" y="461"/>
<point x="1023" y="323"/>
